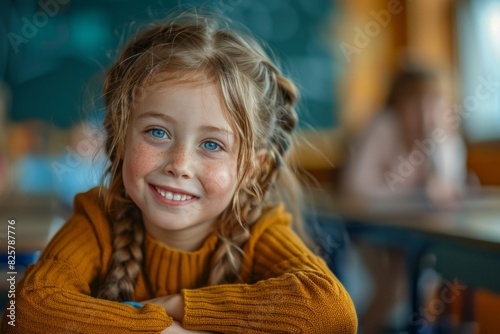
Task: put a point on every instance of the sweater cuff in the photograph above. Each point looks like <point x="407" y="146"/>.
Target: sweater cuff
<point x="209" y="307"/>
<point x="153" y="321"/>
<point x="230" y="307"/>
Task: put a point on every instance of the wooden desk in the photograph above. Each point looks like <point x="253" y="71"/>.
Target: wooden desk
<point x="37" y="218"/>
<point x="476" y="221"/>
<point x="465" y="241"/>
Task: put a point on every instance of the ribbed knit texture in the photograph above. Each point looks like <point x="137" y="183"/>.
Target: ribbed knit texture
<point x="283" y="288"/>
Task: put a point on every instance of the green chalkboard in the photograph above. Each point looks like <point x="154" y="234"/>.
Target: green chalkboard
<point x="53" y="58"/>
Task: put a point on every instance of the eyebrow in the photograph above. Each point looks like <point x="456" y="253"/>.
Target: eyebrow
<point x="169" y="119"/>
<point x="217" y="130"/>
<point x="154" y="114"/>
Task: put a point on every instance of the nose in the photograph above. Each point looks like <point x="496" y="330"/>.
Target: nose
<point x="179" y="162"/>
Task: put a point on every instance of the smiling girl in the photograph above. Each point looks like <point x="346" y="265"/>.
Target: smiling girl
<point x="191" y="233"/>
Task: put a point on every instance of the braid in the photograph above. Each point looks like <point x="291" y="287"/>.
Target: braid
<point x="286" y="97"/>
<point x="126" y="259"/>
<point x="287" y="186"/>
<point x="233" y="234"/>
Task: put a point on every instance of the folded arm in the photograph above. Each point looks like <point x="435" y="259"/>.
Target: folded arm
<point x="296" y="293"/>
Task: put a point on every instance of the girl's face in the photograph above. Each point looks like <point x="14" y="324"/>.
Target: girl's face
<point x="179" y="162"/>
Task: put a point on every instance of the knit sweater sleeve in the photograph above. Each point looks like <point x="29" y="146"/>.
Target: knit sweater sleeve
<point x="296" y="293"/>
<point x="55" y="294"/>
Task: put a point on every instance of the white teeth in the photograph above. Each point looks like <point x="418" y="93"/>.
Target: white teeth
<point x="172" y="196"/>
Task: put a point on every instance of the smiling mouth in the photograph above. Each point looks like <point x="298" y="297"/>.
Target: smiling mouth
<point x="173" y="196"/>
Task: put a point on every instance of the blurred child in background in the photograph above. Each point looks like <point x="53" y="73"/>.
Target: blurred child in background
<point x="409" y="150"/>
<point x="410" y="146"/>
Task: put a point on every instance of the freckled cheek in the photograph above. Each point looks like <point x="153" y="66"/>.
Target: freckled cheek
<point x="139" y="160"/>
<point x="219" y="179"/>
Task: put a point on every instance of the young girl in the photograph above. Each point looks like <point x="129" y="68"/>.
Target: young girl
<point x="410" y="147"/>
<point x="190" y="234"/>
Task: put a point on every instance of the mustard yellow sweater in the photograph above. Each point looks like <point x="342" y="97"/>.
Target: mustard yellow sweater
<point x="286" y="289"/>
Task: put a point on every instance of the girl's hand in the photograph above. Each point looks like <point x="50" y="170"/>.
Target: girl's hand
<point x="173" y="304"/>
<point x="176" y="328"/>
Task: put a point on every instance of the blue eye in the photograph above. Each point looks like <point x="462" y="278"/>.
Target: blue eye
<point x="158" y="133"/>
<point x="211" y="145"/>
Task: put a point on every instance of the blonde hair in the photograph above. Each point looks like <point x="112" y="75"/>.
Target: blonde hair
<point x="260" y="103"/>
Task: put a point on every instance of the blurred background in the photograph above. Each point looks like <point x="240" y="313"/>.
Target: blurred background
<point x="344" y="55"/>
